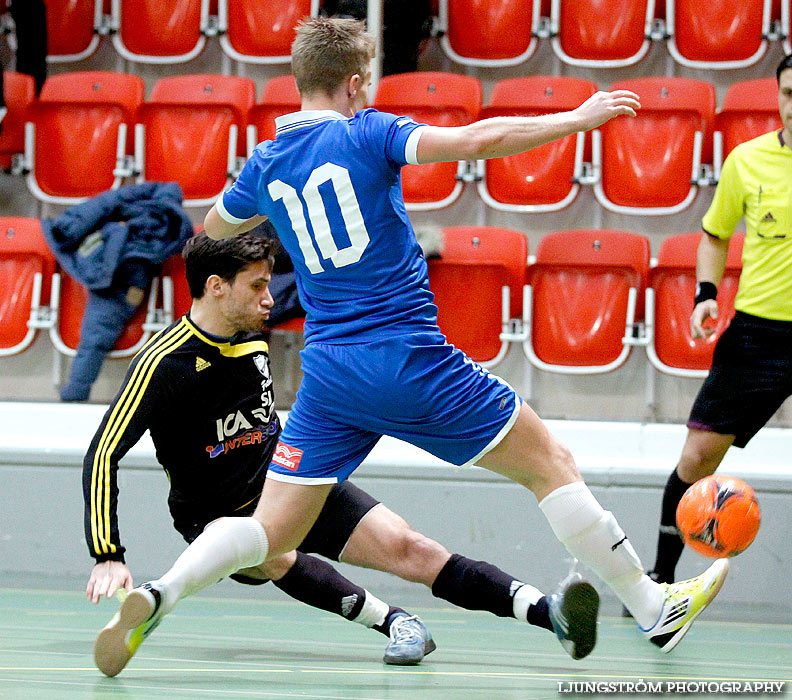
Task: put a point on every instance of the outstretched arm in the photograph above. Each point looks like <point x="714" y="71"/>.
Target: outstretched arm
<point x="506" y="136"/>
<point x="217" y="227"/>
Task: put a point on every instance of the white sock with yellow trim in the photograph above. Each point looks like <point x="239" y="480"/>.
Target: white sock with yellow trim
<point x="227" y="545"/>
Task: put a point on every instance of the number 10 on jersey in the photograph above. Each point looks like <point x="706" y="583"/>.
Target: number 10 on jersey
<point x="312" y="199"/>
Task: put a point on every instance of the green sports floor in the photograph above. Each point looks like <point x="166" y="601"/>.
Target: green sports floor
<point x="233" y="648"/>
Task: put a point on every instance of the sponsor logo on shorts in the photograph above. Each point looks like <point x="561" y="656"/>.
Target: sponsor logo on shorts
<point x="287" y="457"/>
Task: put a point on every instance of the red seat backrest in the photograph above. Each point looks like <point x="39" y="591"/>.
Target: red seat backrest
<point x="476" y="263"/>
<point x="750" y="109"/>
<point x="19" y="91"/>
<point x="73" y="299"/>
<point x="543" y="174"/>
<point x="258" y="28"/>
<point x="647" y="161"/>
<point x="70" y="26"/>
<point x="491" y="31"/>
<point x="437" y="99"/>
<point x="187" y="120"/>
<point x="77" y="118"/>
<point x="581" y="281"/>
<point x="718" y="31"/>
<point x="173" y="267"/>
<point x="156" y="28"/>
<point x="602" y="31"/>
<point x="280" y="96"/>
<point x="673" y="280"/>
<point x="23" y="253"/>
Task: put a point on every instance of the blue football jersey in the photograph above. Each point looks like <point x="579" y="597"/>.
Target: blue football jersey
<point x="331" y="185"/>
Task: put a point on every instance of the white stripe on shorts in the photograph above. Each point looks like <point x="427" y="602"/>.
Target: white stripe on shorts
<point x="501" y="433"/>
<point x="307" y="480"/>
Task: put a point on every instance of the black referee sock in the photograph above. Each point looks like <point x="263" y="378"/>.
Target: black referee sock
<point x="669" y="543"/>
<point x="478" y="585"/>
<point x="316" y="583"/>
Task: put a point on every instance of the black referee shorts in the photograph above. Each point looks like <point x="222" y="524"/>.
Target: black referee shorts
<point x="751" y="377"/>
<point x="344" y="508"/>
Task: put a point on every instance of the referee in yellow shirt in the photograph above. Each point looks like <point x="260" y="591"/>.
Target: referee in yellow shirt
<point x="751" y="374"/>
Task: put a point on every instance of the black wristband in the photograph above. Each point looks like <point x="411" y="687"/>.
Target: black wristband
<point x="704" y="291"/>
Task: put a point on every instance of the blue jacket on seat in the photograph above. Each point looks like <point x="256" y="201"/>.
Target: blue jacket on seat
<point x="143" y="221"/>
<point x="110" y="244"/>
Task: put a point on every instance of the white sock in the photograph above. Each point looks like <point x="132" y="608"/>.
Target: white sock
<point x="525" y="596"/>
<point x="227" y="545"/>
<point x="373" y="611"/>
<point x="593" y="536"/>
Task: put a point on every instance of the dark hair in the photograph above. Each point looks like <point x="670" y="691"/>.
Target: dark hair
<point x="204" y="257"/>
<point x="786" y="62"/>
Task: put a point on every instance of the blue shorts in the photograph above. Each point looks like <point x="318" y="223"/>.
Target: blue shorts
<point x="416" y="388"/>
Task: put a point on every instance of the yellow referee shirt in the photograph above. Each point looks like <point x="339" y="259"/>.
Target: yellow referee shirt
<point x="756" y="182"/>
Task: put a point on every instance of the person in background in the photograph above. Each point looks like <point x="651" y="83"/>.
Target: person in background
<point x="751" y="374"/>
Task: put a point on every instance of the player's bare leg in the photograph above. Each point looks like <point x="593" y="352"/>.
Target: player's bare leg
<point x="702" y="453"/>
<point x="531" y="456"/>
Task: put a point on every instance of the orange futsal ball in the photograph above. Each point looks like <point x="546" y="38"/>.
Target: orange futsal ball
<point x="718" y="516"/>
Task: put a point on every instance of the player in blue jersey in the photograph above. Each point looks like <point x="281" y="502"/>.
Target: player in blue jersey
<point x="375" y="361"/>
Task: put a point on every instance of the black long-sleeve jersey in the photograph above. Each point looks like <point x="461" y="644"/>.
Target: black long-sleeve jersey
<point x="208" y="403"/>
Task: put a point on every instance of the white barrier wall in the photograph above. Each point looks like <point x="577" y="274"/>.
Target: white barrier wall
<point x="471" y="511"/>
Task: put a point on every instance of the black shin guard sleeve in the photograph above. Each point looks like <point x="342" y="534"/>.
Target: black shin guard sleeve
<point x="669" y="543"/>
<point x="475" y="585"/>
<point x="317" y="583"/>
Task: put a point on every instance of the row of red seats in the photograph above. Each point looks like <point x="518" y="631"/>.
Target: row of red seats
<point x="89" y="132"/>
<point x="580" y="306"/>
<point x="609" y="34"/>
<point x="617" y="33"/>
<point x="581" y="303"/>
<point x="152" y="31"/>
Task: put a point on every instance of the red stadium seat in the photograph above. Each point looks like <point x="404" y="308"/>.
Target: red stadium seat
<point x="719" y="34"/>
<point x="608" y="34"/>
<point x="19" y="91"/>
<point x="68" y="306"/>
<point x="749" y="109"/>
<point x="77" y="136"/>
<point x="489" y="34"/>
<point x="290" y="331"/>
<point x="586" y="294"/>
<point x="280" y="97"/>
<point x="73" y="28"/>
<point x="669" y="303"/>
<point x="175" y="292"/>
<point x="544" y="178"/>
<point x="187" y="132"/>
<point x="485" y="266"/>
<point x="152" y="31"/>
<point x="438" y="99"/>
<point x="652" y="165"/>
<point x="26" y="268"/>
<point x="252" y="31"/>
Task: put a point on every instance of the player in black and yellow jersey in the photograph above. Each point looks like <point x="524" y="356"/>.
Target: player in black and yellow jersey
<point x="203" y="389"/>
<point x="751" y="374"/>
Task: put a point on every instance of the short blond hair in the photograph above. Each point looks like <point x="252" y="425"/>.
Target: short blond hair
<point x="328" y="51"/>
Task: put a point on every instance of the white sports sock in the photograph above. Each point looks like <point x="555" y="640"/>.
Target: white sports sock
<point x="227" y="545"/>
<point x="593" y="536"/>
<point x="525" y="597"/>
<point x="373" y="611"/>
